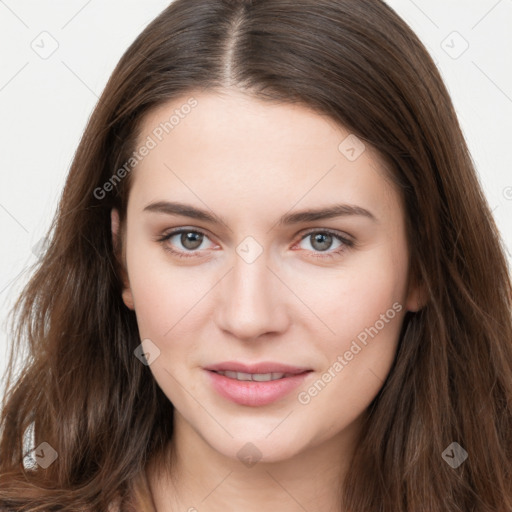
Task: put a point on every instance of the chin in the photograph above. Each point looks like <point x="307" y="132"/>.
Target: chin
<point x="259" y="448"/>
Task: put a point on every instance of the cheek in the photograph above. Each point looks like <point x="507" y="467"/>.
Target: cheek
<point x="365" y="309"/>
<point x="164" y="294"/>
<point x="356" y="295"/>
<point x="357" y="362"/>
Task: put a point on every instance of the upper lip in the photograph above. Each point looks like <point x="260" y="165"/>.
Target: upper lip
<point x="263" y="367"/>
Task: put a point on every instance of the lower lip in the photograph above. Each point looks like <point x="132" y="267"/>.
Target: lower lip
<point x="253" y="393"/>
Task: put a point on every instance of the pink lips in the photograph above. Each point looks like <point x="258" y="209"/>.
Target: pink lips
<point x="252" y="393"/>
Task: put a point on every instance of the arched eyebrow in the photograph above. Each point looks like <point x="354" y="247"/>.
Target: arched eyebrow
<point x="288" y="219"/>
<point x="328" y="212"/>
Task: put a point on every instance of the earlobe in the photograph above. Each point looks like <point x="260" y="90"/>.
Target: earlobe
<point x="128" y="298"/>
<point x="119" y="255"/>
<point x="416" y="297"/>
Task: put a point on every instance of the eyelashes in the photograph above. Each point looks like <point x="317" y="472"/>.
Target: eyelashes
<point x="181" y="254"/>
<point x="345" y="242"/>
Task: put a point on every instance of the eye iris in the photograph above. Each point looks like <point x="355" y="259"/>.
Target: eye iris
<point x="194" y="238"/>
<point x="322" y="237"/>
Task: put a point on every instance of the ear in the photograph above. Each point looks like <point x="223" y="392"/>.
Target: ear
<point x="416" y="296"/>
<point x="117" y="243"/>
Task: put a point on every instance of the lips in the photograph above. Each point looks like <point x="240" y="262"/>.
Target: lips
<point x="255" y="384"/>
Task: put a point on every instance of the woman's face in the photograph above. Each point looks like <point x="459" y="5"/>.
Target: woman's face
<point x="258" y="277"/>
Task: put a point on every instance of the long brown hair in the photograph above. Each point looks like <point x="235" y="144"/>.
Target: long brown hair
<point x="356" y="61"/>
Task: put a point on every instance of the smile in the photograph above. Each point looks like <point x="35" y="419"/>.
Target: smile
<point x="258" y="377"/>
<point x="254" y="389"/>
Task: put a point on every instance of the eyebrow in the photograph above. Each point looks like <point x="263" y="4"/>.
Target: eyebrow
<point x="329" y="212"/>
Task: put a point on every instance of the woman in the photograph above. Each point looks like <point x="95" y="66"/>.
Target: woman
<point x="273" y="281"/>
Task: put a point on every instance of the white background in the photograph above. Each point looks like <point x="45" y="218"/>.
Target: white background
<point x="45" y="102"/>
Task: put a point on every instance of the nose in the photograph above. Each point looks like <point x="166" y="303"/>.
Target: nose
<point x="251" y="301"/>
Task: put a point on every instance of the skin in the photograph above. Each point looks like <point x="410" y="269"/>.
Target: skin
<point x="252" y="162"/>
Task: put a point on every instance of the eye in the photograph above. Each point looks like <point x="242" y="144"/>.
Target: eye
<point x="322" y="240"/>
<point x="190" y="240"/>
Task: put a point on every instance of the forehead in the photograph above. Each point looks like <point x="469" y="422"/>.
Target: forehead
<point x="234" y="149"/>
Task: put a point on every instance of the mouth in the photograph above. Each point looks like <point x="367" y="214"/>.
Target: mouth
<point x="255" y="385"/>
<point x="263" y="368"/>
<point x="256" y="377"/>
